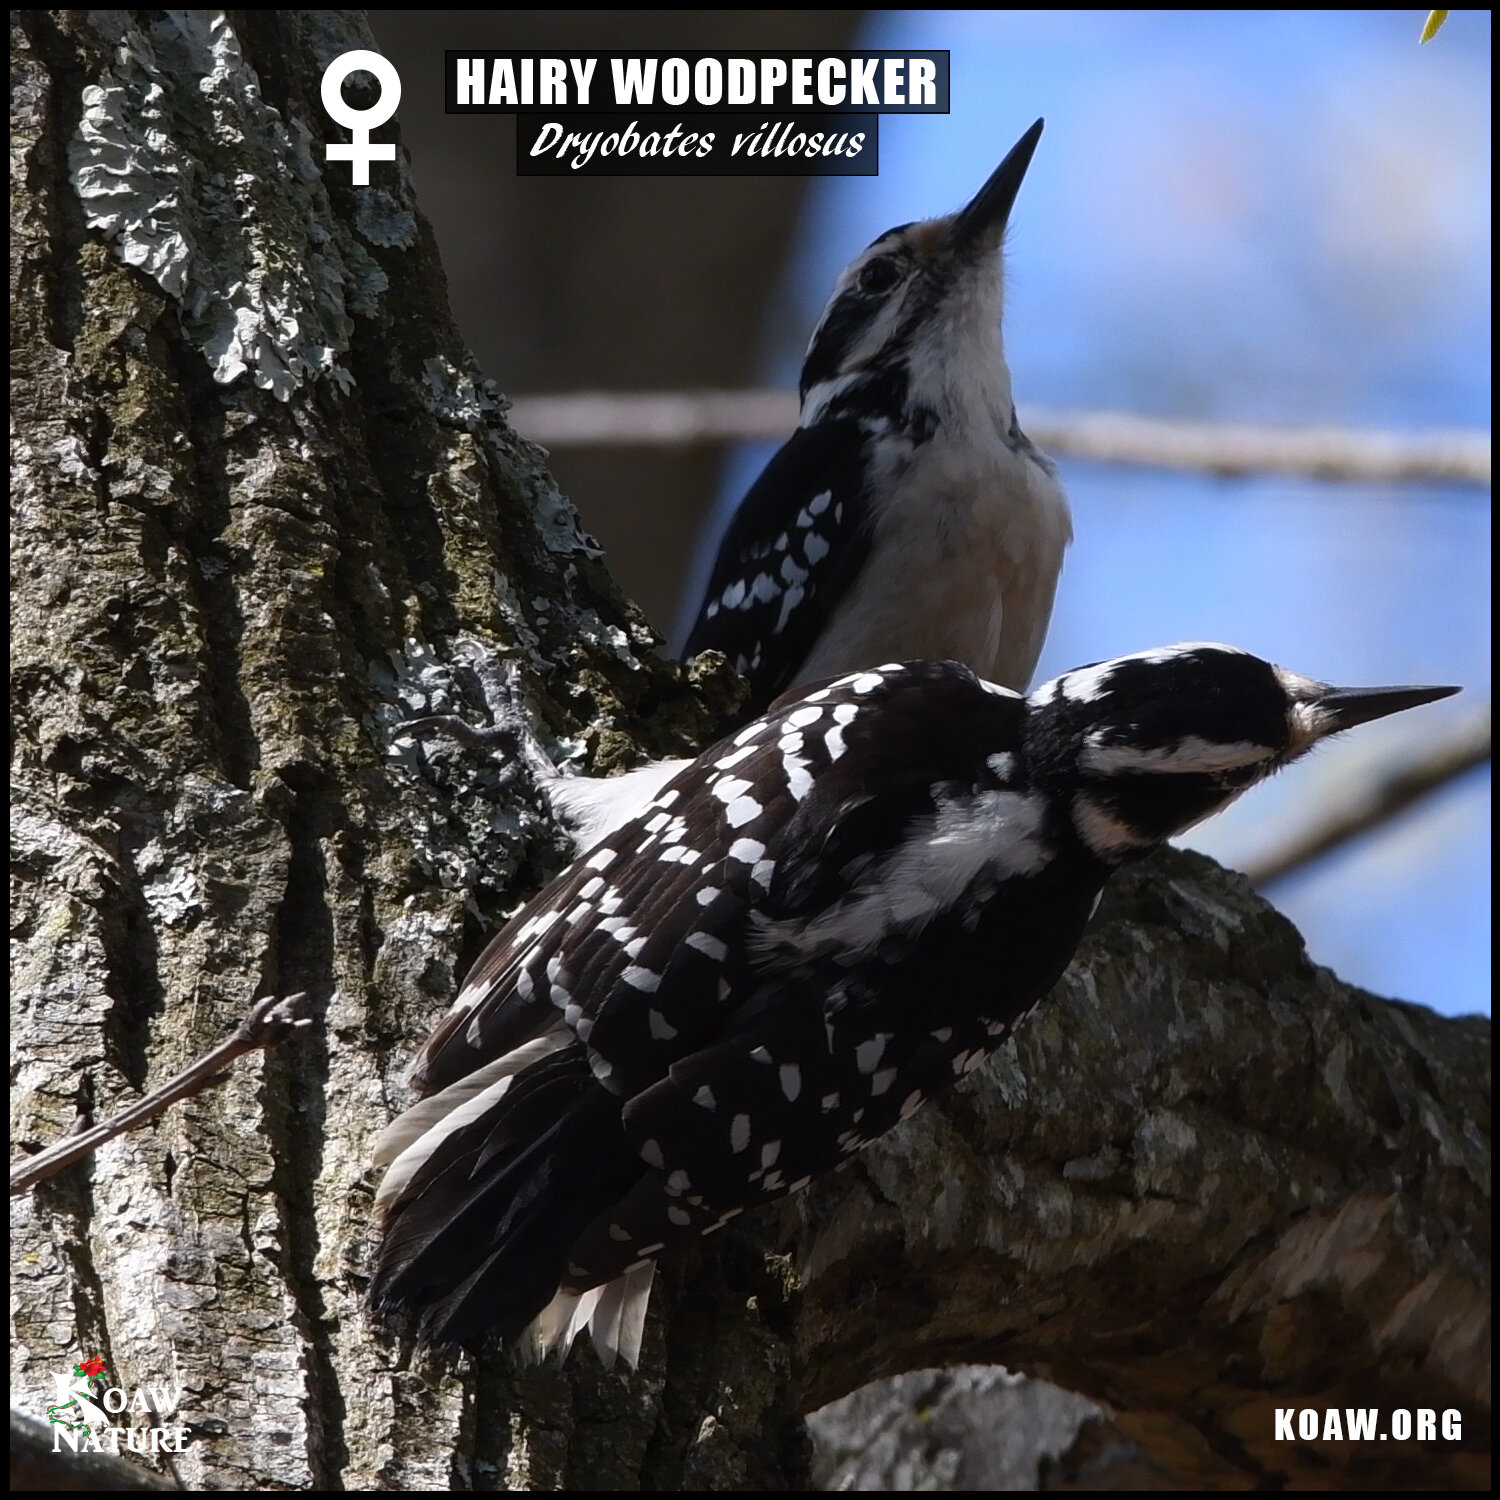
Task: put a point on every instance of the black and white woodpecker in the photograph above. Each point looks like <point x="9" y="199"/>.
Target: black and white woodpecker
<point x="908" y="515"/>
<point x="811" y="929"/>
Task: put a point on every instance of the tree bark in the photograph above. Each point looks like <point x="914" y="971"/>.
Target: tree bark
<point x="1207" y="1180"/>
<point x="617" y="283"/>
<point x="265" y="508"/>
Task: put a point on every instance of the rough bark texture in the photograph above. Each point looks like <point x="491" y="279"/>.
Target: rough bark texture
<point x="940" y="1430"/>
<point x="1208" y="1180"/>
<point x="265" y="508"/>
<point x="608" y="283"/>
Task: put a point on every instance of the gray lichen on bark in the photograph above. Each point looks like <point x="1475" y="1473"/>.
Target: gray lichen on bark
<point x="264" y="510"/>
<point x="938" y="1430"/>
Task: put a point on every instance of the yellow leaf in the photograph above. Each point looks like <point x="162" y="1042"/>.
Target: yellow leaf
<point x="1435" y="19"/>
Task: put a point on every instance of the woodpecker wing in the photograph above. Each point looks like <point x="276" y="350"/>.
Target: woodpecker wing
<point x="671" y="1030"/>
<point x="770" y="826"/>
<point x="797" y="542"/>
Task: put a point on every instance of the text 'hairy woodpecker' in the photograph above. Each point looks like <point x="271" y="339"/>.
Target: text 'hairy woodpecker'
<point x="818" y="924"/>
<point x="907" y="515"/>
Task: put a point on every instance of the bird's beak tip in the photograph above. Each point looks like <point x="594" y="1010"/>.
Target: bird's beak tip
<point x="990" y="207"/>
<point x="1347" y="707"/>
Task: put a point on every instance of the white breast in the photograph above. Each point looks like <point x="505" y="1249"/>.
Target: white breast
<point x="964" y="566"/>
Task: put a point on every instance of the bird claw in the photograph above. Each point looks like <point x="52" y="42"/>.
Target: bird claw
<point x="491" y="737"/>
<point x="509" y="731"/>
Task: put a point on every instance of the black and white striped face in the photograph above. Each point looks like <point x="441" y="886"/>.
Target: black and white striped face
<point x="1160" y="740"/>
<point x="924" y="298"/>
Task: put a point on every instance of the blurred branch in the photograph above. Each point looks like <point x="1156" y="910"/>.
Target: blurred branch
<point x="36" y="1465"/>
<point x="652" y="419"/>
<point x="1231" y="448"/>
<point x="683" y="418"/>
<point x="1382" y="798"/>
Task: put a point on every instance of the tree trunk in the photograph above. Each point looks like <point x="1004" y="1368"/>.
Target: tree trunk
<point x="615" y="283"/>
<point x="265" y="510"/>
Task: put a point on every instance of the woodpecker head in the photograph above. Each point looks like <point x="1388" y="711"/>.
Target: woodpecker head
<point x="922" y="307"/>
<point x="1154" y="743"/>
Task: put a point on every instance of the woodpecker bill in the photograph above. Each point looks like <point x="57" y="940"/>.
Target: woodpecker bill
<point x="811" y="929"/>
<point x="908" y="515"/>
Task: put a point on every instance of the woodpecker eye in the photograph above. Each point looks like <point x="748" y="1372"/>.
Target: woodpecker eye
<point x="879" y="276"/>
<point x="1240" y="777"/>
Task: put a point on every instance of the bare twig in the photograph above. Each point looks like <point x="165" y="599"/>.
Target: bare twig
<point x="271" y="1020"/>
<point x="1381" y="799"/>
<point x="683" y="418"/>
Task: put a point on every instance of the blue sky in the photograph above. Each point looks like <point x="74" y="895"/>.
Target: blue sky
<point x="1269" y="216"/>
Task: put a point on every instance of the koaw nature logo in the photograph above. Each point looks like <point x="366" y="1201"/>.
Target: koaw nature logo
<point x="87" y="1409"/>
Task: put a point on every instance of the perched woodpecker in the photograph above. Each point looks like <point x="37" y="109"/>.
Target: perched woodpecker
<point x="812" y="928"/>
<point x="908" y="515"/>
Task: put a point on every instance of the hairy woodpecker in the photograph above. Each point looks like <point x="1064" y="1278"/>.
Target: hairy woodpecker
<point x="908" y="515"/>
<point x="814" y="927"/>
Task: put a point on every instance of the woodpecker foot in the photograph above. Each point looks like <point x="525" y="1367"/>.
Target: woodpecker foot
<point x="509" y="732"/>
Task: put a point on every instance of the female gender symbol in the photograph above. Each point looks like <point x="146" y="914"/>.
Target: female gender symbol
<point x="361" y="151"/>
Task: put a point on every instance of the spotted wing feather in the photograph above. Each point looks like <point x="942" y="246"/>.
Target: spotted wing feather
<point x="797" y="542"/>
<point x="698" y="1049"/>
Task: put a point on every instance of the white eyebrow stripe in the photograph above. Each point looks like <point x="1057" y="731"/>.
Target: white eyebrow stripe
<point x="1190" y="753"/>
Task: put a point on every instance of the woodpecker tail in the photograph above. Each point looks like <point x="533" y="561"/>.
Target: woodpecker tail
<point x="614" y="1314"/>
<point x="484" y="1205"/>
